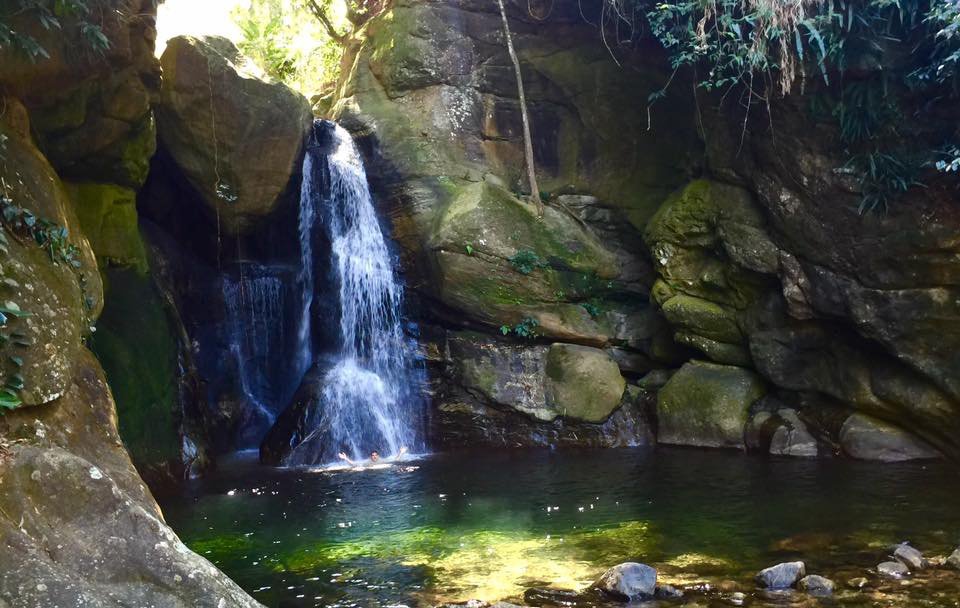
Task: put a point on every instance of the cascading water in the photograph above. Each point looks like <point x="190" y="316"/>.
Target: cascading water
<point x="255" y="325"/>
<point x="370" y="397"/>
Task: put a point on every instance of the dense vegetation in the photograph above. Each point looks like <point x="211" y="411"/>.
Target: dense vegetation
<point x="873" y="66"/>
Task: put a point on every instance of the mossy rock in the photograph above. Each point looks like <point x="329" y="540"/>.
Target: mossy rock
<point x="135" y="342"/>
<point x="583" y="382"/>
<point x="108" y="215"/>
<point x="62" y="300"/>
<point x="703" y="317"/>
<point x="706" y="405"/>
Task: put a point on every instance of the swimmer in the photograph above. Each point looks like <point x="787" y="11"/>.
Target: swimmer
<point x="375" y="461"/>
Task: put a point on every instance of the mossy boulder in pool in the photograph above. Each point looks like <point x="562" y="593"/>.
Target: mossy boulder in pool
<point x="583" y="382"/>
<point x="706" y="404"/>
<point x="545" y="383"/>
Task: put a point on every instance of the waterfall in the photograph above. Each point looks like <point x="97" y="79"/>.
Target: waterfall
<point x="255" y="322"/>
<point x="370" y="397"/>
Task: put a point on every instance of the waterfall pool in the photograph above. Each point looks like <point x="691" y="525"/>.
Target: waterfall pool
<point x="488" y="525"/>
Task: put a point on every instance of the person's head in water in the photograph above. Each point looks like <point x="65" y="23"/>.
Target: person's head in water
<point x="374" y="456"/>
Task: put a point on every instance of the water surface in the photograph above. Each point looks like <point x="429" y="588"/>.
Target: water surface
<point x="488" y="525"/>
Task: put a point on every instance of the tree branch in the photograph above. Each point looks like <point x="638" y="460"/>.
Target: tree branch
<point x="321" y="16"/>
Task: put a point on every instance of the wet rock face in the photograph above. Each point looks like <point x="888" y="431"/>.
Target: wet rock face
<point x="867" y="438"/>
<point x="236" y="136"/>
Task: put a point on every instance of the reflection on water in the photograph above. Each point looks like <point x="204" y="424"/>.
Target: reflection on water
<point x="489" y="525"/>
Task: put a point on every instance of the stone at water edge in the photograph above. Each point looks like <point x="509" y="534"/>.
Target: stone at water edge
<point x="858" y="583"/>
<point x="737" y="598"/>
<point x="954" y="560"/>
<point x="539" y="596"/>
<point x="910" y="557"/>
<point x="781" y="576"/>
<point x="628" y="581"/>
<point x="892" y="570"/>
<point x="816" y="585"/>
<point x="667" y="592"/>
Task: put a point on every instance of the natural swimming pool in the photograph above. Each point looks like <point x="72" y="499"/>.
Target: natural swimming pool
<point x="490" y="524"/>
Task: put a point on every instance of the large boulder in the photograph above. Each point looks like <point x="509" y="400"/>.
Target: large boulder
<point x="868" y="438"/>
<point x="706" y="404"/>
<point x="236" y="135"/>
<point x="57" y="286"/>
<point x="583" y="382"/>
<point x="77" y="525"/>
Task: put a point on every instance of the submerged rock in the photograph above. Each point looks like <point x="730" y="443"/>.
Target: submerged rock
<point x="867" y="438"/>
<point x="816" y="585"/>
<point x="857" y="583"/>
<point x="910" y="557"/>
<point x="892" y="570"/>
<point x="781" y="576"/>
<point x="706" y="404"/>
<point x="954" y="560"/>
<point x="547" y="596"/>
<point x="667" y="592"/>
<point x="629" y="581"/>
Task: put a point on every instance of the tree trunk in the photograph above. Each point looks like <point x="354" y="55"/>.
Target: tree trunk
<point x="527" y="141"/>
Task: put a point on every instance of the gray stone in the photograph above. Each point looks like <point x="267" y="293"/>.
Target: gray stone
<point x="792" y="437"/>
<point x="892" y="570"/>
<point x="628" y="582"/>
<point x="867" y="438"/>
<point x="781" y="576"/>
<point x="816" y="585"/>
<point x="668" y="592"/>
<point x="954" y="560"/>
<point x="910" y="557"/>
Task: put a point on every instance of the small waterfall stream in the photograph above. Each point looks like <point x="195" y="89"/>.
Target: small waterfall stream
<point x="370" y="397"/>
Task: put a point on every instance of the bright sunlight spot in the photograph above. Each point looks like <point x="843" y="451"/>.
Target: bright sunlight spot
<point x="196" y="18"/>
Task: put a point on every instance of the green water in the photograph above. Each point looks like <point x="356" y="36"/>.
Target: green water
<point x="488" y="525"/>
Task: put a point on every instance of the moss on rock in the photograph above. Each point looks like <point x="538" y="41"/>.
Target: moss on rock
<point x="108" y="216"/>
<point x="705" y="404"/>
<point x="136" y="346"/>
<point x="583" y="382"/>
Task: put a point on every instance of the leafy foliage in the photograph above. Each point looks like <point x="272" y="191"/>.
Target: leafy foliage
<point x="765" y="47"/>
<point x="285" y="40"/>
<point x="526" y="328"/>
<point x="526" y="261"/>
<point x="67" y="16"/>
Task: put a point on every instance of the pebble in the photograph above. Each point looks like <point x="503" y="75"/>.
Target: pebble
<point x="954" y="560"/>
<point x="857" y="583"/>
<point x="910" y="557"/>
<point x="816" y="585"/>
<point x="892" y="570"/>
<point x="737" y="598"/>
